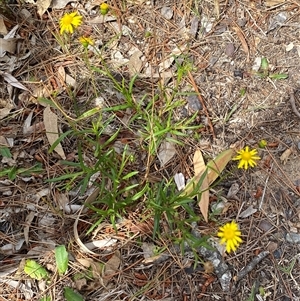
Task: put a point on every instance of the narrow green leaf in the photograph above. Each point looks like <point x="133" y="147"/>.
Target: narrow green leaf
<point x="279" y="76"/>
<point x="65" y="177"/>
<point x="13" y="173"/>
<point x="46" y="298"/>
<point x="89" y="113"/>
<point x="70" y="295"/>
<point x="60" y="138"/>
<point x="62" y="259"/>
<point x="264" y="65"/>
<point x="129" y="175"/>
<point x="45" y="101"/>
<point x="5" y="152"/>
<point x="35" y="270"/>
<point x="5" y="172"/>
<point x="140" y="193"/>
<point x="69" y="163"/>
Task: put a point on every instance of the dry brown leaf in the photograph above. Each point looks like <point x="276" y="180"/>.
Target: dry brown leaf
<point x="199" y="169"/>
<point x="217" y="8"/>
<point x="59" y="4"/>
<point x="241" y="36"/>
<point x="61" y="75"/>
<point x="3" y="29"/>
<point x="5" y="108"/>
<point x="111" y="267"/>
<point x="42" y="6"/>
<point x="166" y="152"/>
<point x="3" y="141"/>
<point x="50" y="121"/>
<point x="199" y="164"/>
<point x="13" y="81"/>
<point x="8" y="45"/>
<point x="270" y="3"/>
<point x="216" y="166"/>
<point x="135" y="63"/>
<point x="28" y="221"/>
<point x="285" y="155"/>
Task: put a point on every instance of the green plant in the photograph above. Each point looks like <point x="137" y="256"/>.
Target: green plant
<point x="177" y="210"/>
<point x="118" y="188"/>
<point x="264" y="72"/>
<point x="13" y="172"/>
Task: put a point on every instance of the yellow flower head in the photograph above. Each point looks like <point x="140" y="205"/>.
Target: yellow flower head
<point x="231" y="236"/>
<point x="104" y="8"/>
<point x="86" y="41"/>
<point x="69" y="22"/>
<point x="247" y="157"/>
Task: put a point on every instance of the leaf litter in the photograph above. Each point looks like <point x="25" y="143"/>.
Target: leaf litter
<point x="29" y="131"/>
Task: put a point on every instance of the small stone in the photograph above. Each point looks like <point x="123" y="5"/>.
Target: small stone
<point x="229" y="49"/>
<point x="238" y="73"/>
<point x="194" y="103"/>
<point x="194" y="26"/>
<point x="293" y="238"/>
<point x="167" y="12"/>
<point x="265" y="225"/>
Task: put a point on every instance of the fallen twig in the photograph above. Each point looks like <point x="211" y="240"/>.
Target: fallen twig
<point x="292" y="101"/>
<point x="202" y="103"/>
<point x="249" y="267"/>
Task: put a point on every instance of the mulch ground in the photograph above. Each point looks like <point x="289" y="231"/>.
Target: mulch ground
<point x="224" y="41"/>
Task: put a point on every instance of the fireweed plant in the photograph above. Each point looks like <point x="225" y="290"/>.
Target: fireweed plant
<point x="118" y="171"/>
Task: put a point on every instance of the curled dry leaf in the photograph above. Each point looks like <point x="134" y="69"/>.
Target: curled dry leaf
<point x="13" y="81"/>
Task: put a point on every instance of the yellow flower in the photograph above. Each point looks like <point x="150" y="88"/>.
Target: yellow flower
<point x="104" y="7"/>
<point x="69" y="22"/>
<point x="86" y="41"/>
<point x="231" y="236"/>
<point x="247" y="157"/>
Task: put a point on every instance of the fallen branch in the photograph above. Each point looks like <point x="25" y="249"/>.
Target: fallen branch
<point x="250" y="266"/>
